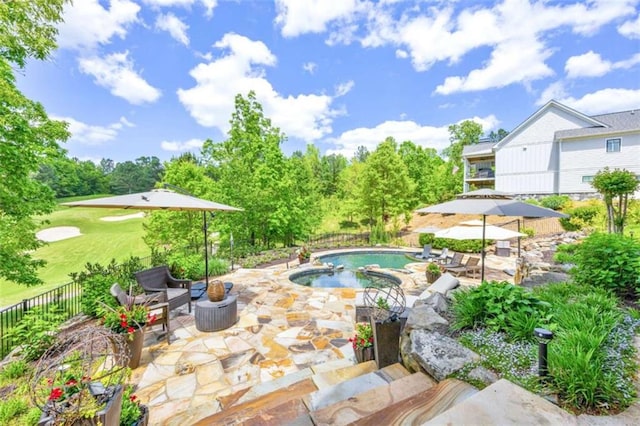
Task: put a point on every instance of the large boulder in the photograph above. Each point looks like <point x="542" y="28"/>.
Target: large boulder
<point x="438" y="302"/>
<point x="425" y="318"/>
<point x="440" y="355"/>
<point x="443" y="284"/>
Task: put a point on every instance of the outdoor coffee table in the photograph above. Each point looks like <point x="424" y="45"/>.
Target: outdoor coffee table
<point x="215" y="316"/>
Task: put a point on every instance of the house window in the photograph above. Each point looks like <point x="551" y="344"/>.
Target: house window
<point x="613" y="145"/>
<point x="587" y="179"/>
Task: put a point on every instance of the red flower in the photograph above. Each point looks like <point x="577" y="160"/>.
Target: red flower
<point x="71" y="382"/>
<point x="55" y="394"/>
<point x="131" y="330"/>
<point x="123" y="317"/>
<point x="133" y="398"/>
<point x="124" y="324"/>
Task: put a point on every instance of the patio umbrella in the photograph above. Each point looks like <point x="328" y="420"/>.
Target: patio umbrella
<point x="473" y="230"/>
<point x="160" y="199"/>
<point x="487" y="202"/>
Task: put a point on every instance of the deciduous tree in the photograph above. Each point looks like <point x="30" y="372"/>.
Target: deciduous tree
<point x="615" y="187"/>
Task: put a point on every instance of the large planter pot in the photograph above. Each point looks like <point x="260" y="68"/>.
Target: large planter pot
<point x="216" y="291"/>
<point x="386" y="341"/>
<point x="108" y="416"/>
<point x="303" y="259"/>
<point x="364" y="354"/>
<point x="134" y="344"/>
<point x="432" y="276"/>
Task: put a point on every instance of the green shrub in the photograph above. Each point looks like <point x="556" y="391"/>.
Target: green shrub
<point x="379" y="234"/>
<point x="555" y="202"/>
<point x="12" y="408"/>
<point x="610" y="261"/>
<point x="15" y="370"/>
<point x="580" y="218"/>
<point x="463" y="246"/>
<point x="185" y="265"/>
<point x="532" y="201"/>
<point x="218" y="266"/>
<point x="529" y="231"/>
<point x="36" y="331"/>
<point x="500" y="307"/>
<point x="96" y="292"/>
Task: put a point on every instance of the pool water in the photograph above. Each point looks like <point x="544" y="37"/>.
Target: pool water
<point x="355" y="260"/>
<point x="350" y="277"/>
<point x="341" y="279"/>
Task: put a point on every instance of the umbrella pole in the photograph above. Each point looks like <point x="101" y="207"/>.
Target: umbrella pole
<point x="518" y="238"/>
<point x="206" y="251"/>
<point x="484" y="220"/>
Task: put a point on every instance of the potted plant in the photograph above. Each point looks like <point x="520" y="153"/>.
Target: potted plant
<point x="130" y="320"/>
<point x="304" y="254"/>
<point x="133" y="413"/>
<point x="433" y="272"/>
<point x="362" y="342"/>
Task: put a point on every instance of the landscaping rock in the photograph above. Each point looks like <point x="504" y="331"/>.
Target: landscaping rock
<point x="439" y="355"/>
<point x="483" y="375"/>
<point x="426" y="318"/>
<point x="438" y="302"/>
<point x="443" y="284"/>
<point x="408" y="361"/>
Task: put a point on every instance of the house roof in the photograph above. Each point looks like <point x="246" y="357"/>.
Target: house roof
<point x="551" y="104"/>
<point x="476" y="149"/>
<point x="612" y="123"/>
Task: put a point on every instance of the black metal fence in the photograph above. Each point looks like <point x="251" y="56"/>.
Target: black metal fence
<point x="65" y="298"/>
<point x="339" y="240"/>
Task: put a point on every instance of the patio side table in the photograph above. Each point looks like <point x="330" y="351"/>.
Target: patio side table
<point x="215" y="316"/>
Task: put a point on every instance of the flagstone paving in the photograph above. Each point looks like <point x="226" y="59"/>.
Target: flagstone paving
<point x="282" y="328"/>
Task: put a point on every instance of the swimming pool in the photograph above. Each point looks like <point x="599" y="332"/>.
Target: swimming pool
<point x="350" y="276"/>
<point x="359" y="259"/>
<point x="329" y="278"/>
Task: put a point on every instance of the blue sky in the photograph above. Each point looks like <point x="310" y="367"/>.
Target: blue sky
<point x="158" y="77"/>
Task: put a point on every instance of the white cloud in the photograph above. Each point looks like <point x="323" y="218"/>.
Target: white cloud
<point x="589" y="64"/>
<point x="211" y="101"/>
<point x="555" y="91"/>
<point x="310" y="67"/>
<point x="426" y="136"/>
<point x="605" y="101"/>
<point x="176" y="146"/>
<point x="344" y="88"/>
<point x="115" y="72"/>
<point x="174" y="26"/>
<point x="298" y="17"/>
<point x="87" y="24"/>
<point x="90" y="134"/>
<point x="631" y="28"/>
<point x="209" y="5"/>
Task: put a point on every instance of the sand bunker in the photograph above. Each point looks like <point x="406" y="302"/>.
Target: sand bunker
<point x="58" y="233"/>
<point x="124" y="217"/>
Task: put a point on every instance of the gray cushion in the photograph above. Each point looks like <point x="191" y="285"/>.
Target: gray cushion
<point x="443" y="284"/>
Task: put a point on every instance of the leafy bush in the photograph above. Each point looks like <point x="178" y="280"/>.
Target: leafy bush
<point x="36" y="330"/>
<point x="379" y="234"/>
<point x="532" y="201"/>
<point x="463" y="246"/>
<point x="11" y="408"/>
<point x="14" y="370"/>
<point x="95" y="293"/>
<point x="529" y="231"/>
<point x="555" y="202"/>
<point x="580" y="218"/>
<point x="218" y="266"/>
<point x="610" y="261"/>
<point x="184" y="265"/>
<point x="500" y="307"/>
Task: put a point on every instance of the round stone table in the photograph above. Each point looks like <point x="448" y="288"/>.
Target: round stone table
<point x="215" y="316"/>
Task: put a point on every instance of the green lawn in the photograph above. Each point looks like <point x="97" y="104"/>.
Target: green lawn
<point x="100" y="242"/>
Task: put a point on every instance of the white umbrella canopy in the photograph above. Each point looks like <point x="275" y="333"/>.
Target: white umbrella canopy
<point x="475" y="232"/>
<point x="160" y="199"/>
<point x="487" y="202"/>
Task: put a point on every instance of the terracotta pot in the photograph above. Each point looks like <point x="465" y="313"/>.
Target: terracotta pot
<point x="364" y="354"/>
<point x="216" y="291"/>
<point x="135" y="347"/>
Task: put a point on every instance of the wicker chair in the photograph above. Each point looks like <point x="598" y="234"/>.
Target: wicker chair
<point x="159" y="279"/>
<point x="155" y="302"/>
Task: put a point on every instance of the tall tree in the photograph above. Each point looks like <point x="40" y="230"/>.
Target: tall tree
<point x="28" y="138"/>
<point x="616" y="186"/>
<point x="385" y="188"/>
<point x="466" y="133"/>
<point x="330" y="168"/>
<point x="422" y="166"/>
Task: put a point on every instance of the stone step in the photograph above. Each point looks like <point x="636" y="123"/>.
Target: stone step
<point x="264" y="388"/>
<point x="504" y="403"/>
<point x="422" y="406"/>
<point x="290" y="413"/>
<point x="329" y="378"/>
<point x="348" y="388"/>
<point x="238" y="414"/>
<point x="372" y="401"/>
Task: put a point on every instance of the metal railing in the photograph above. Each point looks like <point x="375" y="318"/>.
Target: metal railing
<point x="65" y="298"/>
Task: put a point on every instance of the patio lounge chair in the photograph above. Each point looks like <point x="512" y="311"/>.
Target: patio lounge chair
<point x="426" y="252"/>
<point x="159" y="279"/>
<point x="442" y="258"/>
<point x="470" y="268"/>
<point x="455" y="262"/>
<point x="154" y="302"/>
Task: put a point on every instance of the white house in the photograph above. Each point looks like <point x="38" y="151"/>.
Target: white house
<point x="557" y="150"/>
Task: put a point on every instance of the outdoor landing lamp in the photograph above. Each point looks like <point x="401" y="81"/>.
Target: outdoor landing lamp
<point x="544" y="336"/>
